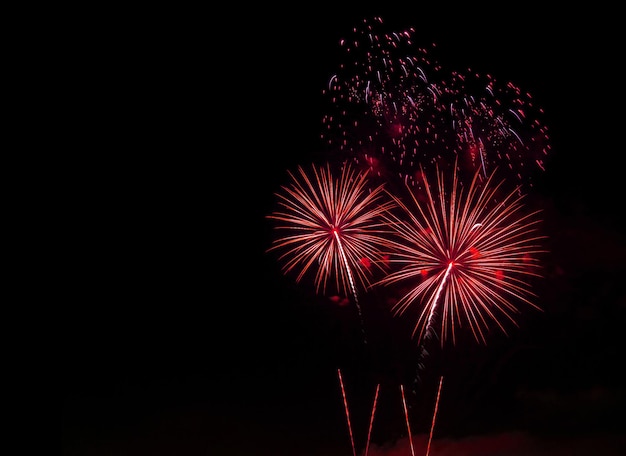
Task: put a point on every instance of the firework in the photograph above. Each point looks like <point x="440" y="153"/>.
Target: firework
<point x="468" y="255"/>
<point x="345" y="406"/>
<point x="494" y="126"/>
<point x="332" y="227"/>
<point x="406" y="418"/>
<point x="432" y="425"/>
<point x="369" y="430"/>
<point x="392" y="109"/>
<point x="382" y="105"/>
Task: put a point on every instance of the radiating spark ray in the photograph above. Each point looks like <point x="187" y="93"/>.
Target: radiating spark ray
<point x="349" y="272"/>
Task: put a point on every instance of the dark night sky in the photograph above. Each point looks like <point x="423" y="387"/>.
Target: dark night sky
<point x="187" y="339"/>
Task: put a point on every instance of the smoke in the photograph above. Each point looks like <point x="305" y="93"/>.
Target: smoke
<point x="507" y="444"/>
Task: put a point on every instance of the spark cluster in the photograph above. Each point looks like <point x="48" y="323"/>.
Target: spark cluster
<point x="463" y="244"/>
<point x="393" y="109"/>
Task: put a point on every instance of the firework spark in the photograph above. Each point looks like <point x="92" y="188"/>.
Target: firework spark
<point x="495" y="126"/>
<point x="382" y="105"/>
<point x="391" y="107"/>
<point x="467" y="252"/>
<point x="332" y="227"/>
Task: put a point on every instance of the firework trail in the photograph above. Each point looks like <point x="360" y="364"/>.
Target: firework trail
<point x="406" y="418"/>
<point x="468" y="251"/>
<point x="369" y="431"/>
<point x="332" y="227"/>
<point x="391" y="107"/>
<point x="345" y="406"/>
<point x="432" y="425"/>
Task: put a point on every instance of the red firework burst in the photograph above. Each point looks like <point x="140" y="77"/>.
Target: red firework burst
<point x="467" y="252"/>
<point x="331" y="227"/>
<point x="391" y="109"/>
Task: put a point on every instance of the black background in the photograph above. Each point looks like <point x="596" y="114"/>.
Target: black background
<point x="185" y="337"/>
